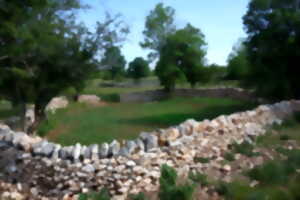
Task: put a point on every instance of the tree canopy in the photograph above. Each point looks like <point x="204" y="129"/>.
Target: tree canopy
<point x="237" y="62"/>
<point x="159" y="24"/>
<point x="182" y="57"/>
<point x="114" y="62"/>
<point x="273" y="47"/>
<point x="138" y="68"/>
<point x="42" y="51"/>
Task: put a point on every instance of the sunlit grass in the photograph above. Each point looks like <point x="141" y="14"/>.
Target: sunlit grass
<point x="87" y="124"/>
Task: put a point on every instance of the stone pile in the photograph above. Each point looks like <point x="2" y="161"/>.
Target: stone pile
<point x="57" y="103"/>
<point x="89" y="99"/>
<point x="134" y="166"/>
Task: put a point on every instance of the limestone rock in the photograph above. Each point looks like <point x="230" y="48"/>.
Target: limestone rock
<point x="89" y="99"/>
<point x="57" y="103"/>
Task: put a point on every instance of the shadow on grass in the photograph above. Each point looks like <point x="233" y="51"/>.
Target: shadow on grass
<point x="200" y="114"/>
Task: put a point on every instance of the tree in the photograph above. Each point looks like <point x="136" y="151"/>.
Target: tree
<point x="138" y="69"/>
<point x="273" y="47"/>
<point x="215" y="73"/>
<point x="114" y="61"/>
<point x="42" y="52"/>
<point x="237" y="62"/>
<point x="159" y="24"/>
<point x="112" y="32"/>
<point x="182" y="57"/>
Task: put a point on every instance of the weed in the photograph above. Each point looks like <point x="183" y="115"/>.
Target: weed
<point x="244" y="148"/>
<point x="169" y="190"/>
<point x="198" y="178"/>
<point x="229" y="156"/>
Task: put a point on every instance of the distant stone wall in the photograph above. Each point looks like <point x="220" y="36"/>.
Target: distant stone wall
<point x="155" y="95"/>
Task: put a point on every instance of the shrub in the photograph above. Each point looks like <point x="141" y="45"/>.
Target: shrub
<point x="229" y="156"/>
<point x="198" y="178"/>
<point x="244" y="148"/>
<point x="168" y="188"/>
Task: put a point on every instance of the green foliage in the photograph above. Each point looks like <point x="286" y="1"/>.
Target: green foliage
<point x="273" y="47"/>
<point x="271" y="172"/>
<point x="215" y="73"/>
<point x="139" y="196"/>
<point x="202" y="160"/>
<point x="237" y="62"/>
<point x="278" y="180"/>
<point x="114" y="61"/>
<point x="229" y="156"/>
<point x="244" y="148"/>
<point x="199" y="178"/>
<point x="168" y="188"/>
<point x="138" y="68"/>
<point x="43" y="51"/>
<point x="182" y="57"/>
<point x="102" y="195"/>
<point x="284" y="137"/>
<point x="159" y="24"/>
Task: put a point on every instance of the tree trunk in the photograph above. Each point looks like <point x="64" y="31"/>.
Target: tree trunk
<point x="39" y="115"/>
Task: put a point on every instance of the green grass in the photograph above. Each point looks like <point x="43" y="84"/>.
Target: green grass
<point x="85" y="124"/>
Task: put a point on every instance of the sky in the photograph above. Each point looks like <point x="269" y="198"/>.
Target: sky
<point x="219" y="20"/>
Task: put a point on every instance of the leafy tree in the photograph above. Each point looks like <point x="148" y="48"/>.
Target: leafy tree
<point x="237" y="62"/>
<point x="114" y="61"/>
<point x="215" y="73"/>
<point x="42" y="52"/>
<point x="159" y="24"/>
<point x="182" y="57"/>
<point x="273" y="47"/>
<point x="138" y="68"/>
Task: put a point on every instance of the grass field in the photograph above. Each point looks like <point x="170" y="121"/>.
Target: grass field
<point x="87" y="124"/>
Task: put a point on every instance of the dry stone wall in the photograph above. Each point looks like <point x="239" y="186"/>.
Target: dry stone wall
<point x="155" y="95"/>
<point x="134" y="166"/>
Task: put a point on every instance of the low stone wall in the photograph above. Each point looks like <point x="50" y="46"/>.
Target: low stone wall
<point x="155" y="95"/>
<point x="134" y="166"/>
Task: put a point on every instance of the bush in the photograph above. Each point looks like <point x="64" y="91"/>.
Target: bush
<point x="271" y="173"/>
<point x="229" y="156"/>
<point x="244" y="148"/>
<point x="168" y="188"/>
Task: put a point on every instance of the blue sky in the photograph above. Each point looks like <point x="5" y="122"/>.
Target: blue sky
<point x="219" y="20"/>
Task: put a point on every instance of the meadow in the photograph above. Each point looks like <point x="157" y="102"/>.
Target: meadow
<point x="89" y="124"/>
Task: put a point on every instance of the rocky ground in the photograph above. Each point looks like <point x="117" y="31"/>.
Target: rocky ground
<point x="190" y="147"/>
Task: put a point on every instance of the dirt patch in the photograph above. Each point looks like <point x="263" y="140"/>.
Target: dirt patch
<point x="53" y="134"/>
